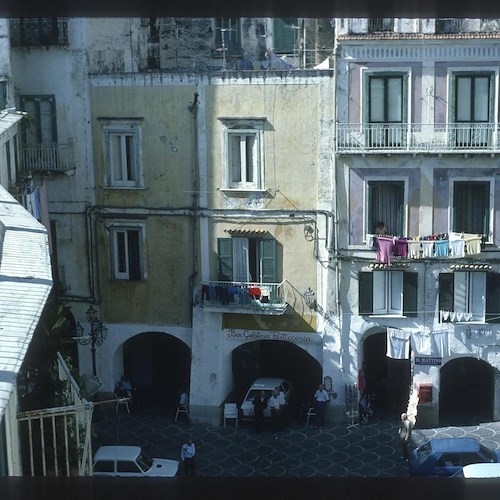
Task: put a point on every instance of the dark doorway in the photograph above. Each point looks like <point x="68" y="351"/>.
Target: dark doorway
<point x="270" y="358"/>
<point x="387" y="379"/>
<point x="158" y="365"/>
<point x="466" y="392"/>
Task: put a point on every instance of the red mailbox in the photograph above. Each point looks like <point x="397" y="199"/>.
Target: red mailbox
<point x="425" y="393"/>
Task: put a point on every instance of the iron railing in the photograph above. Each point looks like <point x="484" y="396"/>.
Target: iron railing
<point x="244" y="296"/>
<point x="38" y="32"/>
<point x="45" y="157"/>
<point x="418" y="138"/>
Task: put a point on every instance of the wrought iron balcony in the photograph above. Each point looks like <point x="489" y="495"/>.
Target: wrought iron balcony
<point x="243" y="298"/>
<point x="388" y="138"/>
<point x="38" y="31"/>
<point x="46" y="157"/>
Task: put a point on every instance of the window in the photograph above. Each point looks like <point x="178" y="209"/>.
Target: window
<point x="3" y="95"/>
<point x="286" y="34"/>
<point x="243" y="154"/>
<point x="473" y="105"/>
<point x="127" y="466"/>
<point x="386" y="202"/>
<point x="471" y="207"/>
<point x="41" y="125"/>
<point x="127" y="253"/>
<point x="469" y="296"/>
<point x="386" y="109"/>
<point x="38" y="31"/>
<point x="380" y="24"/>
<point x="247" y="259"/>
<point x="391" y="293"/>
<point x="123" y="153"/>
<point x="227" y="36"/>
<point x="104" y="466"/>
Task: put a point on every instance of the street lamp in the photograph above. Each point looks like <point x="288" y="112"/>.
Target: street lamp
<point x="97" y="335"/>
<point x="309" y="298"/>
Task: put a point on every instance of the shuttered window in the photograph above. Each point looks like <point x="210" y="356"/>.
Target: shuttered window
<point x="247" y="260"/>
<point x="388" y="293"/>
<point x="127" y="253"/>
<point x="470" y="294"/>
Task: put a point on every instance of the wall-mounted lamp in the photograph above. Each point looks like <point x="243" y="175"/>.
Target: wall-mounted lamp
<point x="309" y="298"/>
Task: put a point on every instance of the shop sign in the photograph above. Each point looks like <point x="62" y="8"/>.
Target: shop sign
<point x="272" y="335"/>
<point x="421" y="360"/>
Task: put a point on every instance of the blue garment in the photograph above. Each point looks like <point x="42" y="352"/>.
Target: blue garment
<point x="441" y="248"/>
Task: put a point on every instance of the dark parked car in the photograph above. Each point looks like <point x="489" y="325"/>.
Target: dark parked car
<point x="444" y="457"/>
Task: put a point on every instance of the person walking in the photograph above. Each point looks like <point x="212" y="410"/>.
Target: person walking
<point x="188" y="454"/>
<point x="321" y="398"/>
<point x="259" y="405"/>
<point x="404" y="435"/>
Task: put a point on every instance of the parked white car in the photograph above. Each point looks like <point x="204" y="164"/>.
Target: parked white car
<point x="131" y="461"/>
<point x="267" y="385"/>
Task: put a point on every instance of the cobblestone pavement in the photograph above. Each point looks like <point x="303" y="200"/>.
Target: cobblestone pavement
<point x="370" y="450"/>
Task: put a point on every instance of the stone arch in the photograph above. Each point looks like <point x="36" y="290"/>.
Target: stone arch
<point x="157" y="363"/>
<point x="275" y="358"/>
<point x="466" y="391"/>
<point x="387" y="379"/>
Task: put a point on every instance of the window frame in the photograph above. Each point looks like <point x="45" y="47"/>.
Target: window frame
<point x="452" y="214"/>
<point x="243" y="127"/>
<point x="449" y="293"/>
<point x="367" y="293"/>
<point x="122" y="129"/>
<point x="283" y="43"/>
<point x="232" y="44"/>
<point x="37" y="118"/>
<point x="127" y="228"/>
<point x="266" y="256"/>
<point x="367" y="202"/>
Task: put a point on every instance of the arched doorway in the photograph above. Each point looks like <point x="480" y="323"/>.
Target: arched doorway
<point x="387" y="379"/>
<point x="275" y="358"/>
<point x="466" y="392"/>
<point x="157" y="364"/>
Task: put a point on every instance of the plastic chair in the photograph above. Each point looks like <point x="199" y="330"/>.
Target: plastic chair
<point x="310" y="413"/>
<point x="182" y="409"/>
<point x="231" y="411"/>
<point x="121" y="401"/>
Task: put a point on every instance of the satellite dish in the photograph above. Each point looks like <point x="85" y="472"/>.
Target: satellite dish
<point x="89" y="385"/>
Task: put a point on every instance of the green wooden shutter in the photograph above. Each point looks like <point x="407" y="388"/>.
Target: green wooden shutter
<point x="225" y="259"/>
<point x="267" y="254"/>
<point x="285" y="34"/>
<point x="365" y="284"/>
<point x="410" y="294"/>
<point x="493" y="298"/>
<point x="446" y="284"/>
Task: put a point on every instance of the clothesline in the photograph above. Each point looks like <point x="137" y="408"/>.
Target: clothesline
<point x="455" y="245"/>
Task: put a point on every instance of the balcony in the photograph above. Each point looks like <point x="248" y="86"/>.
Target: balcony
<point x="393" y="138"/>
<point x="45" y="158"/>
<point x="38" y="32"/>
<point x="448" y="26"/>
<point x="243" y="298"/>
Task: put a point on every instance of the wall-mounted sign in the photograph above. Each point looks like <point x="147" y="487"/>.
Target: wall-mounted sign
<point x="272" y="335"/>
<point x="424" y="360"/>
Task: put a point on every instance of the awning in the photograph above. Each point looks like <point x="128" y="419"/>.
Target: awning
<point x="246" y="232"/>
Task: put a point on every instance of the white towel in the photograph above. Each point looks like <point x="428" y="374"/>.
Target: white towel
<point x="440" y="344"/>
<point x="398" y="344"/>
<point x="414" y="249"/>
<point x="473" y="245"/>
<point x="421" y="344"/>
<point x="457" y="248"/>
<point x="427" y="249"/>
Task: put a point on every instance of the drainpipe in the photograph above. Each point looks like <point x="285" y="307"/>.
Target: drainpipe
<point x="193" y="108"/>
<point x="334" y="184"/>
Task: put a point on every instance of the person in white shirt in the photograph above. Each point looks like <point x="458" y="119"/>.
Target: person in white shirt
<point x="188" y="453"/>
<point x="321" y="398"/>
<point x="274" y="405"/>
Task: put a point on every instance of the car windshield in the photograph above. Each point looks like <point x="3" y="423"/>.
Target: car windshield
<point x="256" y="392"/>
<point x="144" y="461"/>
<point x="424" y="451"/>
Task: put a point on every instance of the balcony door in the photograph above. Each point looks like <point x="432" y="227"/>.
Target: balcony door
<point x="247" y="260"/>
<point x="387" y="110"/>
<point x="473" y="105"/>
<point x="40" y="126"/>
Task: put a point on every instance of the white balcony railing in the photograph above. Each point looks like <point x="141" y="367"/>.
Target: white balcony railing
<point x="45" y="157"/>
<point x="252" y="298"/>
<point x="418" y="138"/>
